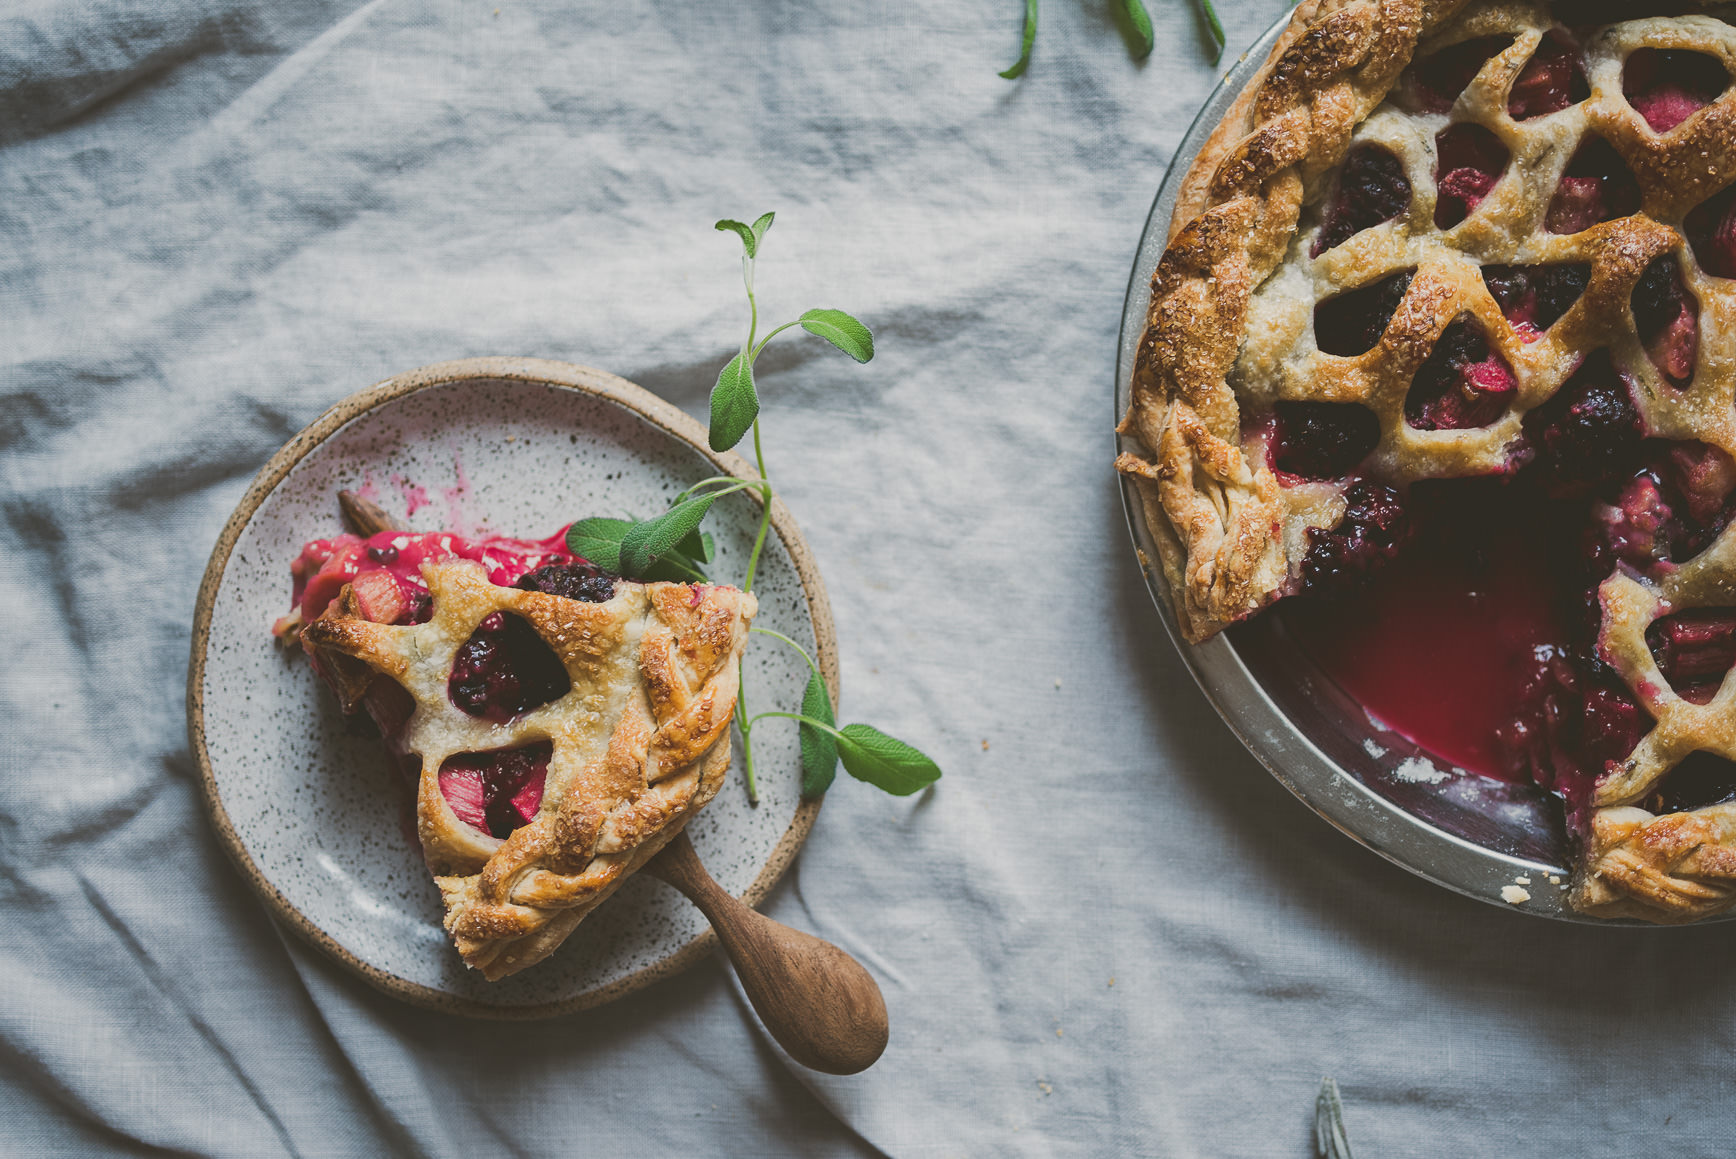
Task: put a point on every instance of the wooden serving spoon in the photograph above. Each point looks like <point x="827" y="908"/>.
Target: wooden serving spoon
<point x="820" y="1004"/>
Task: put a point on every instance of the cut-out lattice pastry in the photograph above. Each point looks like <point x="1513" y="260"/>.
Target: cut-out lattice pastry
<point x="557" y="743"/>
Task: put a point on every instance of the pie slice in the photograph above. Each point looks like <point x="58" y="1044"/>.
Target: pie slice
<point x="561" y="724"/>
<point x="1456" y="281"/>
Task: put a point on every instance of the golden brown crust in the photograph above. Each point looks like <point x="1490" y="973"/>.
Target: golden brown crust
<point x="1229" y="334"/>
<point x="1677" y="868"/>
<point x="1223" y="549"/>
<point x="639" y="744"/>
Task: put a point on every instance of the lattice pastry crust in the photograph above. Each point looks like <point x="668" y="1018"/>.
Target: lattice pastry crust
<point x="1231" y="332"/>
<point x="639" y="744"/>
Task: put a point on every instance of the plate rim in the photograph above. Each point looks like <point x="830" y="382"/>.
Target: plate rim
<point x="581" y="379"/>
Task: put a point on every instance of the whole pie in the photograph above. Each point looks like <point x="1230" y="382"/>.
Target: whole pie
<point x="1456" y="282"/>
<point x="560" y="725"/>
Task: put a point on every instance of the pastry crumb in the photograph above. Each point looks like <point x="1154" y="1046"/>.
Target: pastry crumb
<point x="1417" y="771"/>
<point x="1522" y="881"/>
<point x="1112" y="982"/>
<point x="1045" y="1087"/>
<point x="1057" y="682"/>
<point x="1554" y="879"/>
<point x="985" y="744"/>
<point x="1513" y="895"/>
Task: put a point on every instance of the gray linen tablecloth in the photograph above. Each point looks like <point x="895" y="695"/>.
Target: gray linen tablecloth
<point x="1107" y="932"/>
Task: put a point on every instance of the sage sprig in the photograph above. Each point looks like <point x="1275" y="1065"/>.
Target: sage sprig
<point x="672" y="546"/>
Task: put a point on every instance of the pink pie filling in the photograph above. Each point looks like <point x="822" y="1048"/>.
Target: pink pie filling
<point x="496" y="792"/>
<point x="1598" y="186"/>
<point x="1667" y="86"/>
<point x="1552" y="80"/>
<point x="1470" y="161"/>
<point x="386" y="568"/>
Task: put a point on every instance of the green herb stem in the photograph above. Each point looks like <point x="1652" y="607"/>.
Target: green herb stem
<point x="799" y="718"/>
<point x="755" y="352"/>
<point x="714" y="481"/>
<point x="746" y="727"/>
<point x="752" y="306"/>
<point x="765" y="509"/>
<point x="812" y="667"/>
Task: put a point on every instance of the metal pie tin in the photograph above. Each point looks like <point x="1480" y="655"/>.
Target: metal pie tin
<point x="1473" y="835"/>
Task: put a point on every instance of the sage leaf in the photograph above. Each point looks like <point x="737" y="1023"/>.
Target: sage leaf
<point x="599" y="540"/>
<point x="819" y="749"/>
<point x="646" y="544"/>
<point x="883" y="761"/>
<point x="1141" y="21"/>
<point x="749" y="239"/>
<point x="734" y="403"/>
<point x="759" y="227"/>
<point x="1329" y="1138"/>
<point x="697" y="547"/>
<point x="1019" y="66"/>
<point x="842" y="331"/>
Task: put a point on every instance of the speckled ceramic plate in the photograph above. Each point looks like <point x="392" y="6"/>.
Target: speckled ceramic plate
<point x="304" y="800"/>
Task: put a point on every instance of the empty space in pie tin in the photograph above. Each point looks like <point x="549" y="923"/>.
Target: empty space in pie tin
<point x="318" y="821"/>
<point x="1471" y="834"/>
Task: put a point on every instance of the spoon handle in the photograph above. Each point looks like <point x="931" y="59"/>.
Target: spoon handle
<point x="363" y="516"/>
<point x="817" y="1001"/>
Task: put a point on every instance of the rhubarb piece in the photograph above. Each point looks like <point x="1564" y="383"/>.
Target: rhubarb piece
<point x="1706" y="477"/>
<point x="1463" y="384"/>
<point x="1372" y="188"/>
<point x="1711" y="230"/>
<point x="1597" y="186"/>
<point x="1469" y="161"/>
<point x="1668" y="319"/>
<point x="1552" y="80"/>
<point x="496" y="792"/>
<point x="1694" y="649"/>
<point x="1635" y="530"/>
<point x="1666" y="86"/>
<point x="1533" y="298"/>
